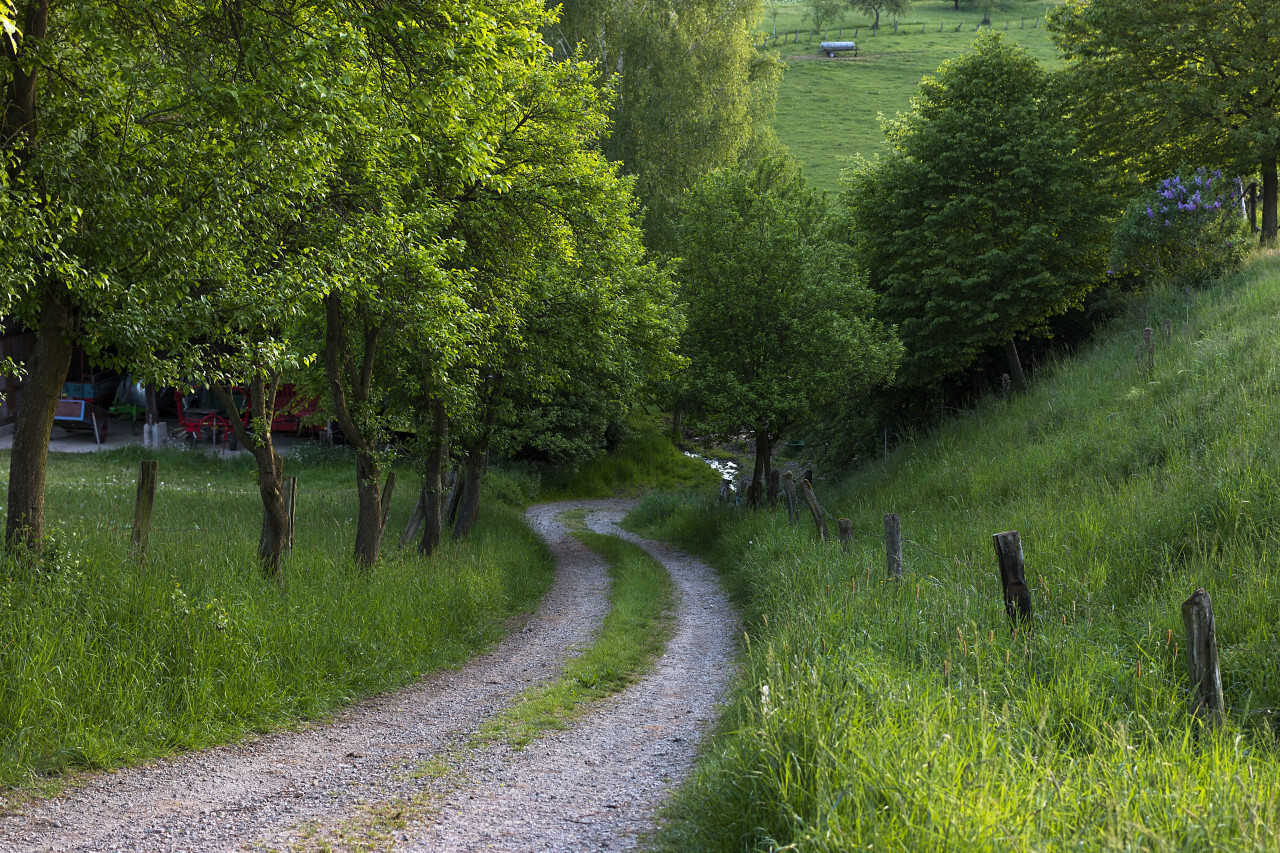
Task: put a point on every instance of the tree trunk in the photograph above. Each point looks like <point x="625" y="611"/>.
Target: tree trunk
<point x="433" y="486"/>
<point x="369" y="514"/>
<point x="473" y="467"/>
<point x="342" y="372"/>
<point x="273" y="538"/>
<point x="1270" y="189"/>
<point x="28" y="462"/>
<point x="1015" y="365"/>
<point x="760" y="473"/>
<point x="19" y="120"/>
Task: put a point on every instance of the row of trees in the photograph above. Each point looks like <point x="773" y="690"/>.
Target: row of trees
<point x="400" y="204"/>
<point x="1008" y="196"/>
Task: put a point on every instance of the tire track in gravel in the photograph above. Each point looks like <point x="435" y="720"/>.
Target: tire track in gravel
<point x="595" y="786"/>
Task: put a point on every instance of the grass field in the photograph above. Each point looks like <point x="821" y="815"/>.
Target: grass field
<point x="828" y="109"/>
<point x="907" y="716"/>
<point x="104" y="663"/>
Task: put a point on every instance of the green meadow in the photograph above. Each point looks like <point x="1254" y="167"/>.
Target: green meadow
<point x="905" y="716"/>
<point x="829" y="110"/>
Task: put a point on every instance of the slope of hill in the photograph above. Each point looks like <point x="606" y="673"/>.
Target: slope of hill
<point x="828" y="109"/>
<point x="907" y="715"/>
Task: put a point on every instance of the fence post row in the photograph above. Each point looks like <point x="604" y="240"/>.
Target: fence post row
<point x="819" y="514"/>
<point x="789" y="489"/>
<point x="893" y="545"/>
<point x="845" y="527"/>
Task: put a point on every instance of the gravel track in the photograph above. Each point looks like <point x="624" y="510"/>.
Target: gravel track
<point x="593" y="787"/>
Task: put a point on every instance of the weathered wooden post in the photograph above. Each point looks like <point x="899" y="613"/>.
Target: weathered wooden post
<point x="775" y="486"/>
<point x="387" y="489"/>
<point x="1202" y="659"/>
<point x="289" y="486"/>
<point x="789" y="489"/>
<point x="819" y="514"/>
<point x="1017" y="597"/>
<point x="846" y="534"/>
<point x="416" y="520"/>
<point x="893" y="544"/>
<point x="142" y="509"/>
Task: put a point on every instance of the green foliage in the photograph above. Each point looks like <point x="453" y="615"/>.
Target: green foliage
<point x="983" y="220"/>
<point x="634" y="633"/>
<point x="907" y="716"/>
<point x="692" y="93"/>
<point x="644" y="459"/>
<point x="102" y="664"/>
<point x="1188" y="231"/>
<point x="779" y="317"/>
<point x="1192" y="83"/>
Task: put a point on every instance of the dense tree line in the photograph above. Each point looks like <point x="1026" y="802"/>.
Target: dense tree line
<point x="391" y="204"/>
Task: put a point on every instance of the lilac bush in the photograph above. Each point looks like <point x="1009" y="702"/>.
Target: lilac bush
<point x="1189" y="229"/>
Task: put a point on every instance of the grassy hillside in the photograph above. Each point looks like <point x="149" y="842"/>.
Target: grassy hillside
<point x="907" y="716"/>
<point x="828" y="108"/>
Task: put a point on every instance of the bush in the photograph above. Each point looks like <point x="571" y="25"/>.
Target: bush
<point x="1186" y="231"/>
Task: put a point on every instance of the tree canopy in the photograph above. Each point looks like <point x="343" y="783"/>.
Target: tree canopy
<point x="982" y="220"/>
<point x="693" y="93"/>
<point x="1179" y="82"/>
<point x="779" y="317"/>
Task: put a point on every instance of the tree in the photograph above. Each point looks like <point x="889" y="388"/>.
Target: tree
<point x="823" y="12"/>
<point x="875" y="7"/>
<point x="116" y="120"/>
<point x="779" y="318"/>
<point x="693" y="93"/>
<point x="568" y="300"/>
<point x="1185" y="81"/>
<point x="983" y="219"/>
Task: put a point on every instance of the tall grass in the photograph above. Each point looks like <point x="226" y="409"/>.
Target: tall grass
<point x="907" y="716"/>
<point x="104" y="662"/>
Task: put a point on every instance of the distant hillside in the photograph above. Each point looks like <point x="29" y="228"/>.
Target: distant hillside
<point x="828" y="109"/>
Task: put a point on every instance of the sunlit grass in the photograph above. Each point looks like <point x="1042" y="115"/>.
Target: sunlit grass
<point x="908" y="716"/>
<point x="104" y="662"/>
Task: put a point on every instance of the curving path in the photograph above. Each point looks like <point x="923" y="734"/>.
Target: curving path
<point x="395" y="771"/>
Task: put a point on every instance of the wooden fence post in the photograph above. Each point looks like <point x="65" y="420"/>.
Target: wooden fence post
<point x="1202" y="659"/>
<point x="1017" y="597"/>
<point x="775" y="486"/>
<point x="846" y="534"/>
<point x="142" y="509"/>
<point x="290" y="490"/>
<point x="819" y="514"/>
<point x="387" y="488"/>
<point x="893" y="544"/>
<point x="789" y="489"/>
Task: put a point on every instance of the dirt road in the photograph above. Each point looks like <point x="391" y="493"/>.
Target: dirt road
<point x="397" y="773"/>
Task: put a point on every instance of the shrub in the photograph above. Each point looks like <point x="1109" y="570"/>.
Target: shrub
<point x="1187" y="231"/>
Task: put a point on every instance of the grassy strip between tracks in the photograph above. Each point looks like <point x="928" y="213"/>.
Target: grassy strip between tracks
<point x="633" y="635"/>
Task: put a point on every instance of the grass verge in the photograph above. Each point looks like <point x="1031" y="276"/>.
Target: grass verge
<point x="633" y="635"/>
<point x="907" y="716"/>
<point x="104" y="663"/>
